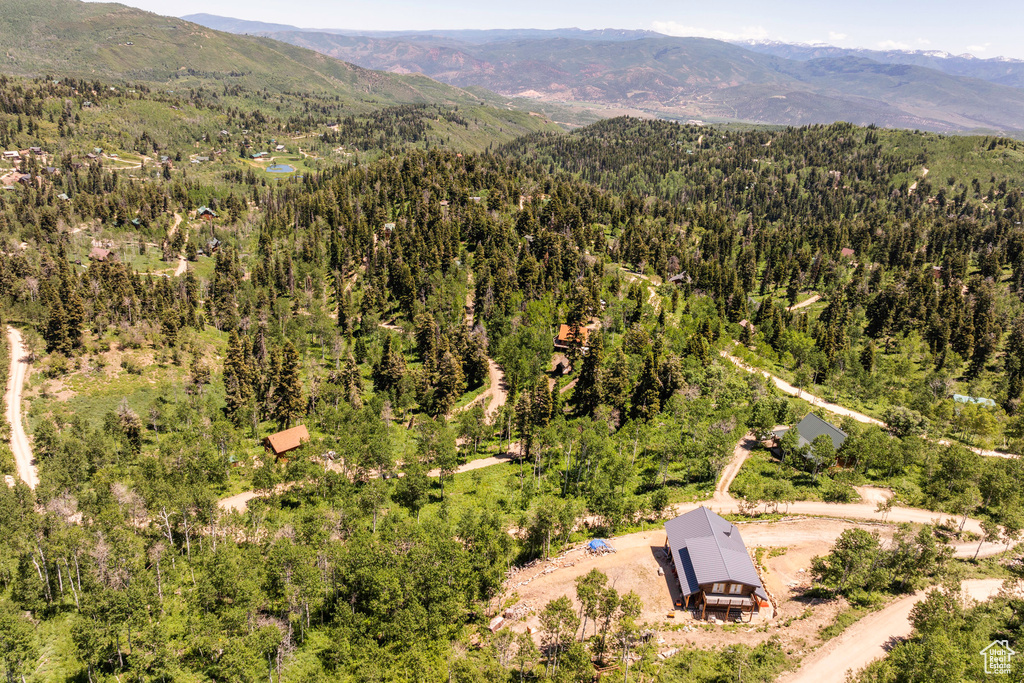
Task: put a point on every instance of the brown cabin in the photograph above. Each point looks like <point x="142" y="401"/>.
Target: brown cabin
<point x="286" y="441"/>
<point x="846" y="253"/>
<point x="100" y="254"/>
<point x="565" y="337"/>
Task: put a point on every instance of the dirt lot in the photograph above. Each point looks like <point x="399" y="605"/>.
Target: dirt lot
<point x="636" y="562"/>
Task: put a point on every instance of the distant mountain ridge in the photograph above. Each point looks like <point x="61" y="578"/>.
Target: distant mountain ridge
<point x="999" y="70"/>
<point x="116" y="44"/>
<point x="685" y="78"/>
<point x="472" y="36"/>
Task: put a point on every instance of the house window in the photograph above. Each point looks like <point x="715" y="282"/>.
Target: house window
<point x="718" y="588"/>
<point x="736" y="588"/>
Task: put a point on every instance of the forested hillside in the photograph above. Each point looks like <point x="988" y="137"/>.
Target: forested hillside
<point x="400" y="297"/>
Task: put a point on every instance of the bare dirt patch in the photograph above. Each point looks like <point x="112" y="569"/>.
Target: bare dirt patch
<point x="635" y="567"/>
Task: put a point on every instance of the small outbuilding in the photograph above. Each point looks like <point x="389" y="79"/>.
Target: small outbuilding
<point x="286" y="441"/>
<point x="711" y="563"/>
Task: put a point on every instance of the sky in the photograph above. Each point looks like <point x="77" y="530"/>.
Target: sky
<point x="984" y="29"/>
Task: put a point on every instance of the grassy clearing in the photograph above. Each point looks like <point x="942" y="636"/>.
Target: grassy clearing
<point x="846" y="618"/>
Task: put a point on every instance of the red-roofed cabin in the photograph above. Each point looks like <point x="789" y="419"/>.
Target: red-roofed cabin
<point x="286" y="441"/>
<point x="565" y="337"/>
<point x="100" y="254"/>
<point x="846" y="253"/>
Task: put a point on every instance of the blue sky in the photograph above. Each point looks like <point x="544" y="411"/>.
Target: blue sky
<point x="985" y="29"/>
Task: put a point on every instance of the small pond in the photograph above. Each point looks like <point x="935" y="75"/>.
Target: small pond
<point x="280" y="168"/>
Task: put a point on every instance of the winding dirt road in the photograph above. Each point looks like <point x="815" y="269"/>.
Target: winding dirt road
<point x="723" y="502"/>
<point x="496" y="394"/>
<point x="869" y="638"/>
<point x="18" y="373"/>
<point x="788" y="388"/>
<point x="182" y="263"/>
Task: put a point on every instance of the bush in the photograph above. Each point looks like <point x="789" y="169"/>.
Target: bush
<point x="837" y="492"/>
<point x="131" y="366"/>
<point x="56" y="366"/>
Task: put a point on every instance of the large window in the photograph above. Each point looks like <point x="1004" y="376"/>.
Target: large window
<point x="736" y="588"/>
<point x="718" y="588"/>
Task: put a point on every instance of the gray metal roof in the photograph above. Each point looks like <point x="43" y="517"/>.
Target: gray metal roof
<point x="708" y="549"/>
<point x="812" y="426"/>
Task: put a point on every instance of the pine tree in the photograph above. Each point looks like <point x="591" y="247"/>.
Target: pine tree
<point x="56" y="331"/>
<point x="169" y="327"/>
<point x="541" y="403"/>
<point x="74" y="311"/>
<point x="617" y="381"/>
<point x="474" y="362"/>
<point x="1014" y="360"/>
<point x="831" y="335"/>
<point x="646" y="401"/>
<point x="867" y="357"/>
<point x="352" y="380"/>
<point x="588" y="392"/>
<point x="450" y="383"/>
<point x="238" y="380"/>
<point x="698" y="347"/>
<point x="388" y="374"/>
<point x="289" y="404"/>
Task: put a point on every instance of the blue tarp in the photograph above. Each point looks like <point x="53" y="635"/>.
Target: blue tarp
<point x="599" y="544"/>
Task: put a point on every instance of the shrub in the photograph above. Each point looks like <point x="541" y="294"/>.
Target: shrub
<point x="131" y="366"/>
<point x="56" y="366"/>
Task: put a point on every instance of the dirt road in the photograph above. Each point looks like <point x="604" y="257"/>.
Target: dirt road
<point x="806" y="302"/>
<point x="496" y="394"/>
<point x="476" y="464"/>
<point x="238" y="502"/>
<point x="652" y="293"/>
<point x="869" y="638"/>
<point x="723" y="502"/>
<point x="739" y="456"/>
<point x="788" y="388"/>
<point x="497" y="389"/>
<point x="182" y="263"/>
<point x="15" y="383"/>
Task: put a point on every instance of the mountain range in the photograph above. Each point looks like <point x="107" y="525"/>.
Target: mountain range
<point x="999" y="70"/>
<point x="675" y="77"/>
<point x="114" y="43"/>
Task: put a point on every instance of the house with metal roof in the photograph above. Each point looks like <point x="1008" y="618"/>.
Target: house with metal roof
<point x="711" y="563"/>
<point x="810" y="428"/>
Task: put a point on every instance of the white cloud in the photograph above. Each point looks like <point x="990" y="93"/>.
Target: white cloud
<point x="979" y="48"/>
<point x="836" y="37"/>
<point x="923" y="41"/>
<point x="674" y="28"/>
<point x="893" y="45"/>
